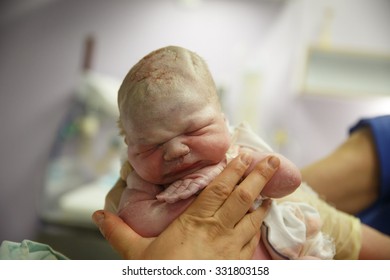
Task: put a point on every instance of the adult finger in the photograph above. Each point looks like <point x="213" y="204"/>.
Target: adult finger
<point x="242" y="198"/>
<point x="121" y="237"/>
<point x="249" y="248"/>
<point x="216" y="193"/>
<point x="249" y="227"/>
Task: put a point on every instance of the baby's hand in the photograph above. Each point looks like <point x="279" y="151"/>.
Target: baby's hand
<point x="182" y="189"/>
<point x="191" y="184"/>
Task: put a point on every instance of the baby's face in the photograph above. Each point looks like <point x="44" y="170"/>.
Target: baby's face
<point x="176" y="139"/>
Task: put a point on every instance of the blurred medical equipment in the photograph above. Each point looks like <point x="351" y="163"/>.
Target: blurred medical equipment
<point x="84" y="162"/>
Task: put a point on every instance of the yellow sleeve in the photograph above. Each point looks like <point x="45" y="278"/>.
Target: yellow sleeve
<point x="345" y="229"/>
<point x="125" y="170"/>
<point x="114" y="195"/>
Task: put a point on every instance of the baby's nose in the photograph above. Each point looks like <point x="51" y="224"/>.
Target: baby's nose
<point x="175" y="150"/>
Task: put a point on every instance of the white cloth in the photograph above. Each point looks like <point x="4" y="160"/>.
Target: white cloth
<point x="291" y="230"/>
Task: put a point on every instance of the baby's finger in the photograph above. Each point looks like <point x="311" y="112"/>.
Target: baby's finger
<point x="216" y="193"/>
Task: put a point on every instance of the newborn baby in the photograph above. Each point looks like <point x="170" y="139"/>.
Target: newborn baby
<point x="179" y="141"/>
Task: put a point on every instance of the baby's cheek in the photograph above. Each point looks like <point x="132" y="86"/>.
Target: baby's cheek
<point x="220" y="148"/>
<point x="149" y="167"/>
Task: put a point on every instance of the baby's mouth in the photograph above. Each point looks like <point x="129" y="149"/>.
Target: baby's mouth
<point x="184" y="170"/>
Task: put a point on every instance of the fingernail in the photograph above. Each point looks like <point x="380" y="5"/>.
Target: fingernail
<point x="246" y="158"/>
<point x="273" y="162"/>
<point x="98" y="217"/>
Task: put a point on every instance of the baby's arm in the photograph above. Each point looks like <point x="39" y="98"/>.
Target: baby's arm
<point x="286" y="179"/>
<point x="191" y="184"/>
<point x="140" y="209"/>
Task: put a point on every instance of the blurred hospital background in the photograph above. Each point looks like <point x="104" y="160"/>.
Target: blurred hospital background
<point x="301" y="72"/>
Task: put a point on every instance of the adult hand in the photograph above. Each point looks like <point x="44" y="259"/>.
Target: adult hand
<point x="217" y="225"/>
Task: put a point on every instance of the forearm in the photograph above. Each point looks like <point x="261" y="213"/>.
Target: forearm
<point x="348" y="177"/>
<point x="375" y="245"/>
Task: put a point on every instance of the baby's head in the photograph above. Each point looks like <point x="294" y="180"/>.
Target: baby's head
<point x="167" y="99"/>
<point x="170" y="74"/>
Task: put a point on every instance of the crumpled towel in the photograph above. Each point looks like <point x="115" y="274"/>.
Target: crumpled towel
<point x="292" y="230"/>
<point x="28" y="250"/>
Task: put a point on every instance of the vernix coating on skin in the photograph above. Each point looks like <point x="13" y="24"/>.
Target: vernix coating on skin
<point x="179" y="141"/>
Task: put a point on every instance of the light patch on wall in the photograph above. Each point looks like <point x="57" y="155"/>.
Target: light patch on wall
<point x="190" y="4"/>
<point x="381" y="106"/>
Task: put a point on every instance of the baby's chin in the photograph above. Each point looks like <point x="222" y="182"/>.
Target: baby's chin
<point x="186" y="171"/>
<point x="169" y="178"/>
